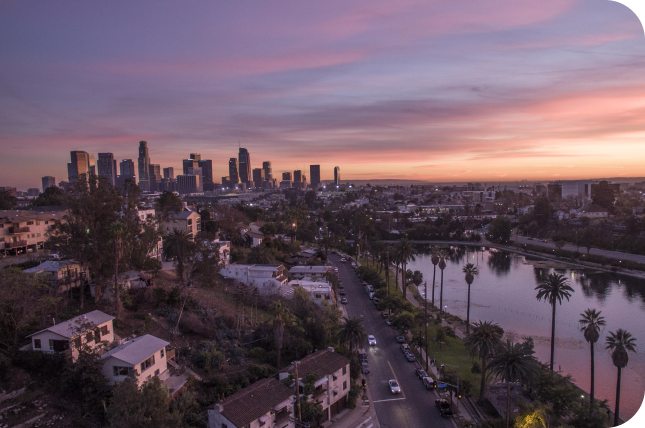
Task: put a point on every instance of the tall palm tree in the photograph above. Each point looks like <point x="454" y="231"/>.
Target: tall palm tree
<point x="406" y="253"/>
<point x="482" y="342"/>
<point x="180" y="246"/>
<point x="620" y="342"/>
<point x="553" y="290"/>
<point x="352" y="333"/>
<point x="471" y="271"/>
<point x="442" y="265"/>
<point x="435" y="260"/>
<point x="513" y="362"/>
<point x="278" y="328"/>
<point x="590" y="325"/>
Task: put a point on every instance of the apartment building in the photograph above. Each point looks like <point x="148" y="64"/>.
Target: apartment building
<point x="187" y="221"/>
<point x="266" y="278"/>
<point x="24" y="231"/>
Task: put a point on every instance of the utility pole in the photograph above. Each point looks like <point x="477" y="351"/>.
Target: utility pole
<point x="425" y="301"/>
<point x="387" y="273"/>
<point x="298" y="394"/>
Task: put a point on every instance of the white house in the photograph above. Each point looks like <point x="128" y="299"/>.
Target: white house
<point x="267" y="403"/>
<point x="92" y="330"/>
<point x="592" y="211"/>
<point x="308" y="272"/>
<point x="266" y="278"/>
<point x="319" y="291"/>
<point x="143" y="356"/>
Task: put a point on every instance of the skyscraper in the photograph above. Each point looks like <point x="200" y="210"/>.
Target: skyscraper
<point x="196" y="156"/>
<point x="314" y="176"/>
<point x="154" y="177"/>
<point x="107" y="167"/>
<point x="299" y="179"/>
<point x="169" y="172"/>
<point x="126" y="172"/>
<point x="92" y="163"/>
<point x="48" y="181"/>
<point x="245" y="166"/>
<point x="268" y="175"/>
<point x="207" y="174"/>
<point x="286" y="176"/>
<point x="79" y="167"/>
<point x="233" y="175"/>
<point x="337" y="175"/>
<point x="144" y="168"/>
<point x="258" y="177"/>
<point x="189" y="163"/>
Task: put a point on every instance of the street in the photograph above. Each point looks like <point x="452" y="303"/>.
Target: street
<point x="414" y="406"/>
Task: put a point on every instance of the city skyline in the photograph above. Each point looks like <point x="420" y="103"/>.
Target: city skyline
<point x="386" y="90"/>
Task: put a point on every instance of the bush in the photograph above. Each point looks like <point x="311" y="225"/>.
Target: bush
<point x="208" y="357"/>
<point x="450" y="332"/>
<point x="353" y="394"/>
<point x="159" y="296"/>
<point x="258" y="353"/>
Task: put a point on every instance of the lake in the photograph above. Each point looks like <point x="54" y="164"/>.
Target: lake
<point x="504" y="292"/>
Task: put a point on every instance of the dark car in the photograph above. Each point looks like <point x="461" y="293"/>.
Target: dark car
<point x="376" y="301"/>
<point x="342" y="292"/>
<point x="384" y="314"/>
<point x="365" y="368"/>
<point x="410" y="357"/>
<point x="443" y="406"/>
<point x="420" y="373"/>
<point x="400" y="339"/>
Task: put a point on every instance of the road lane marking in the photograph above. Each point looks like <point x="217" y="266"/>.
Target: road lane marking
<point x="389" y="399"/>
<point x="397" y="379"/>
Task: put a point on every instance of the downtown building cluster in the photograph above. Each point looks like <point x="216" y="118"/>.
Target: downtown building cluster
<point x="196" y="177"/>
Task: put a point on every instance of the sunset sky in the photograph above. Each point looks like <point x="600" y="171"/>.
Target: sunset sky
<point x="447" y="90"/>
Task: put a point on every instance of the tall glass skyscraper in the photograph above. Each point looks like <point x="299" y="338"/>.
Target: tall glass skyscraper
<point x="144" y="166"/>
<point x="245" y="166"/>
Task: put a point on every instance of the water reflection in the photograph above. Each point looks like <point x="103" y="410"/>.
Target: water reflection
<point x="500" y="262"/>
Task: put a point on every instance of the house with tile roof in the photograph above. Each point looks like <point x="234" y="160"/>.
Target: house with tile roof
<point x="266" y="278"/>
<point x="142" y="357"/>
<point x="187" y="221"/>
<point x="62" y="275"/>
<point x="333" y="381"/>
<point x="92" y="330"/>
<point x="266" y="403"/>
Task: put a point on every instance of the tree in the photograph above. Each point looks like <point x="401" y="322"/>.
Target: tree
<point x="84" y="381"/>
<point x="147" y="407"/>
<point x="52" y="196"/>
<point x="590" y="325"/>
<point x="471" y="271"/>
<point x="278" y="333"/>
<point x="7" y="200"/>
<point x="511" y="363"/>
<point x="352" y="333"/>
<point x="417" y="278"/>
<point x="180" y="246"/>
<point x="603" y="195"/>
<point x="482" y="342"/>
<point x="405" y="252"/>
<point x="620" y="343"/>
<point x="499" y="229"/>
<point x="442" y="265"/>
<point x="435" y="260"/>
<point x="553" y="290"/>
<point x="168" y="203"/>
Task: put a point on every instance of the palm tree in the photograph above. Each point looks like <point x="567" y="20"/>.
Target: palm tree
<point x="485" y="338"/>
<point x="471" y="271"/>
<point x="620" y="342"/>
<point x="590" y="324"/>
<point x="435" y="261"/>
<point x="352" y="333"/>
<point x="552" y="290"/>
<point x="179" y="244"/>
<point x="513" y="362"/>
<point x="442" y="265"/>
<point x="406" y="253"/>
<point x="278" y="327"/>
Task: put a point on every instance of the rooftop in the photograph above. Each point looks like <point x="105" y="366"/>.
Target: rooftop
<point x="256" y="400"/>
<point x="49" y="266"/>
<point x="24" y="215"/>
<point x="136" y="350"/>
<point x="79" y="324"/>
<point x="322" y="362"/>
<point x="320" y="270"/>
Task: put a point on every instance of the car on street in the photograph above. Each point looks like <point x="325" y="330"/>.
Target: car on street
<point x="376" y="301"/>
<point x="405" y="348"/>
<point x="428" y="382"/>
<point x="394" y="386"/>
<point x="387" y="321"/>
<point x="342" y="292"/>
<point x="384" y="314"/>
<point x="371" y="339"/>
<point x="343" y="260"/>
<point x="443" y="406"/>
<point x="400" y="339"/>
<point x="420" y="373"/>
<point x="343" y="300"/>
<point x="365" y="369"/>
<point x="410" y="357"/>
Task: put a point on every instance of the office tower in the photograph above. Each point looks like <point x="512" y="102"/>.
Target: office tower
<point x="33" y="191"/>
<point x="196" y="156"/>
<point x="200" y="183"/>
<point x="126" y="168"/>
<point x="188" y="184"/>
<point x="268" y="175"/>
<point x="286" y="176"/>
<point x="226" y="182"/>
<point x="233" y="174"/>
<point x="206" y="166"/>
<point x="169" y="173"/>
<point x="167" y="185"/>
<point x="48" y="181"/>
<point x="245" y="166"/>
<point x="144" y="168"/>
<point x="337" y="175"/>
<point x="92" y="162"/>
<point x="189" y="163"/>
<point x="107" y="167"/>
<point x="258" y="177"/>
<point x="154" y="176"/>
<point x="314" y="176"/>
<point x="79" y="167"/>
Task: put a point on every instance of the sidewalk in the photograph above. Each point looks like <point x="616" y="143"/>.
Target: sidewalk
<point x="360" y="417"/>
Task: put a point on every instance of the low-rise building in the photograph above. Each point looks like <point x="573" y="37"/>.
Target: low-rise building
<point x="266" y="403"/>
<point x="187" y="221"/>
<point x="320" y="291"/>
<point x="310" y="272"/>
<point x="266" y="278"/>
<point x="25" y="231"/>
<point x="592" y="211"/>
<point x="92" y="330"/>
<point x="143" y="357"/>
<point x="61" y="275"/>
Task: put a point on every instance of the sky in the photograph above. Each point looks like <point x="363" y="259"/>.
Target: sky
<point x="444" y="90"/>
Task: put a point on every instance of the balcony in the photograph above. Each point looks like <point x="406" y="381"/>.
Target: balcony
<point x="16" y="244"/>
<point x="18" y="230"/>
<point x="318" y="394"/>
<point x="281" y="417"/>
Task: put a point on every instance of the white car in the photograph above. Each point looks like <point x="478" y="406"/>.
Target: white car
<point x="394" y="386"/>
<point x="371" y="340"/>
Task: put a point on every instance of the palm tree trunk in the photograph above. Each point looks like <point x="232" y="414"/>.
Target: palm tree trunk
<point x="434" y="275"/>
<point x="404" y="286"/>
<point x="553" y="336"/>
<point x="425" y="306"/>
<point x="591" y="395"/>
<point x="468" y="312"/>
<point x="441" y="294"/>
<point x="508" y="404"/>
<point x="482" y="387"/>
<point x="616" y="418"/>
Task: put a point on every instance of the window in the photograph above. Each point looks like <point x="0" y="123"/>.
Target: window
<point x="104" y="330"/>
<point x="345" y="370"/>
<point x="224" y="426"/>
<point x="38" y="235"/>
<point x="345" y="385"/>
<point x="36" y="343"/>
<point x="157" y="372"/>
<point x="1" y="239"/>
<point x="162" y="352"/>
<point x="334" y="378"/>
<point x="37" y="223"/>
<point x="47" y="222"/>
<point x="51" y="344"/>
<point x="89" y="337"/>
<point x="190" y="221"/>
<point x="121" y="371"/>
<point x="147" y="363"/>
<point x="30" y="222"/>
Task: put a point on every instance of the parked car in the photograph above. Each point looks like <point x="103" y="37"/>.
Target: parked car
<point x="365" y="369"/>
<point x="342" y="292"/>
<point x="371" y="339"/>
<point x="428" y="382"/>
<point x="405" y="347"/>
<point x="343" y="300"/>
<point x="384" y="314"/>
<point x="410" y="357"/>
<point x="443" y="406"/>
<point x="420" y="373"/>
<point x="387" y="321"/>
<point x="343" y="260"/>
<point x="400" y="339"/>
<point x="394" y="386"/>
<point x="376" y="301"/>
